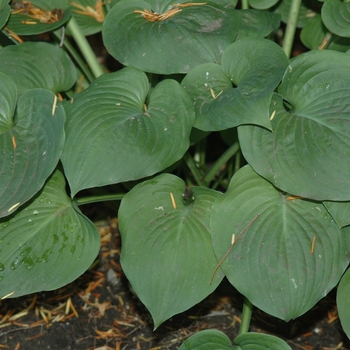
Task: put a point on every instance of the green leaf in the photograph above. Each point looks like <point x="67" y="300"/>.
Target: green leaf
<point x="38" y="65"/>
<point x="306" y="12"/>
<point x="47" y="244"/>
<point x="290" y="257"/>
<point x="218" y="106"/>
<point x="31" y="142"/>
<point x="340" y="212"/>
<point x="343" y="302"/>
<point x="167" y="253"/>
<point x="304" y="154"/>
<point x="196" y="34"/>
<point x="336" y="17"/>
<point x="89" y="15"/>
<point x="108" y="128"/>
<point x="315" y="35"/>
<point x="259" y="341"/>
<point x="210" y="339"/>
<point x="257" y="23"/>
<point x="5" y="10"/>
<point x="262" y="4"/>
<point x="48" y="15"/>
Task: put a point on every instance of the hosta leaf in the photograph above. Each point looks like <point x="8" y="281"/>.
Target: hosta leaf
<point x="343" y="302"/>
<point x="339" y="211"/>
<point x="108" y="128"/>
<point x="290" y="257"/>
<point x="262" y="4"/>
<point x="336" y="17"/>
<point x="257" y="23"/>
<point x="196" y="34"/>
<point x="167" y="253"/>
<point x="259" y="341"/>
<point x="315" y="35"/>
<point x="304" y="154"/>
<point x="38" y="65"/>
<point x="5" y="10"/>
<point x="31" y="141"/>
<point x="38" y="16"/>
<point x="210" y="339"/>
<point x="89" y="15"/>
<point x="47" y="244"/>
<point x="218" y="105"/>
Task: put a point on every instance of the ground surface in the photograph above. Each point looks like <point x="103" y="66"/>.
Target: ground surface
<point x="99" y="312"/>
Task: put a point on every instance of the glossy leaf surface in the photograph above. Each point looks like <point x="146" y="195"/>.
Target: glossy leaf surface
<point x="290" y="257"/>
<point x="31" y="140"/>
<point x="38" y="16"/>
<point x="219" y="105"/>
<point x="336" y="17"/>
<point x="196" y="33"/>
<point x="304" y="154"/>
<point x="108" y="127"/>
<point x="210" y="339"/>
<point x="38" y="65"/>
<point x="259" y="341"/>
<point x="343" y="301"/>
<point x="167" y="253"/>
<point x="40" y="244"/>
<point x="4" y="12"/>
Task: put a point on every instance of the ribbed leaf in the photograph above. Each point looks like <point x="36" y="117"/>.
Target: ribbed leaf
<point x="47" y="244"/>
<point x="290" y="257"/>
<point x="218" y="106"/>
<point x="108" y="127"/>
<point x="31" y="141"/>
<point x="167" y="253"/>
<point x="343" y="302"/>
<point x="4" y="12"/>
<point x="336" y="17"/>
<point x="38" y="16"/>
<point x="196" y="33"/>
<point x="210" y="339"/>
<point x="304" y="154"/>
<point x="340" y="212"/>
<point x="259" y="341"/>
<point x="38" y="65"/>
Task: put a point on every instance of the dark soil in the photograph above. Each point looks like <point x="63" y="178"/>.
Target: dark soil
<point x="98" y="311"/>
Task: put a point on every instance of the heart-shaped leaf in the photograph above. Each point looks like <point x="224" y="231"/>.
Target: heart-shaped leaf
<point x="38" y="16"/>
<point x="262" y="4"/>
<point x="31" y="142"/>
<point x="339" y="211"/>
<point x="167" y="253"/>
<point x="218" y="106"/>
<point x="89" y="15"/>
<point x="210" y="339"/>
<point x="304" y="154"/>
<point x="343" y="302"/>
<point x="139" y="33"/>
<point x="38" y="65"/>
<point x="109" y="128"/>
<point x="5" y="10"/>
<point x="286" y="260"/>
<point x="336" y="17"/>
<point x="47" y="244"/>
<point x="259" y="341"/>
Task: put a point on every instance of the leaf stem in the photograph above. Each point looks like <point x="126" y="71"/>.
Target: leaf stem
<point x="75" y="56"/>
<point x="194" y="169"/>
<point x="291" y="27"/>
<point x="101" y="198"/>
<point x="85" y="47"/>
<point x="231" y="151"/>
<point x="246" y="316"/>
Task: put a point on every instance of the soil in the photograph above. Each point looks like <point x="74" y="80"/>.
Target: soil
<point x="99" y="312"/>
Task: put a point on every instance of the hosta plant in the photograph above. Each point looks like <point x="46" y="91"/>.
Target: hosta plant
<point x="270" y="212"/>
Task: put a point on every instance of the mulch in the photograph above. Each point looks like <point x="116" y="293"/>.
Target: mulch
<point x="98" y="311"/>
